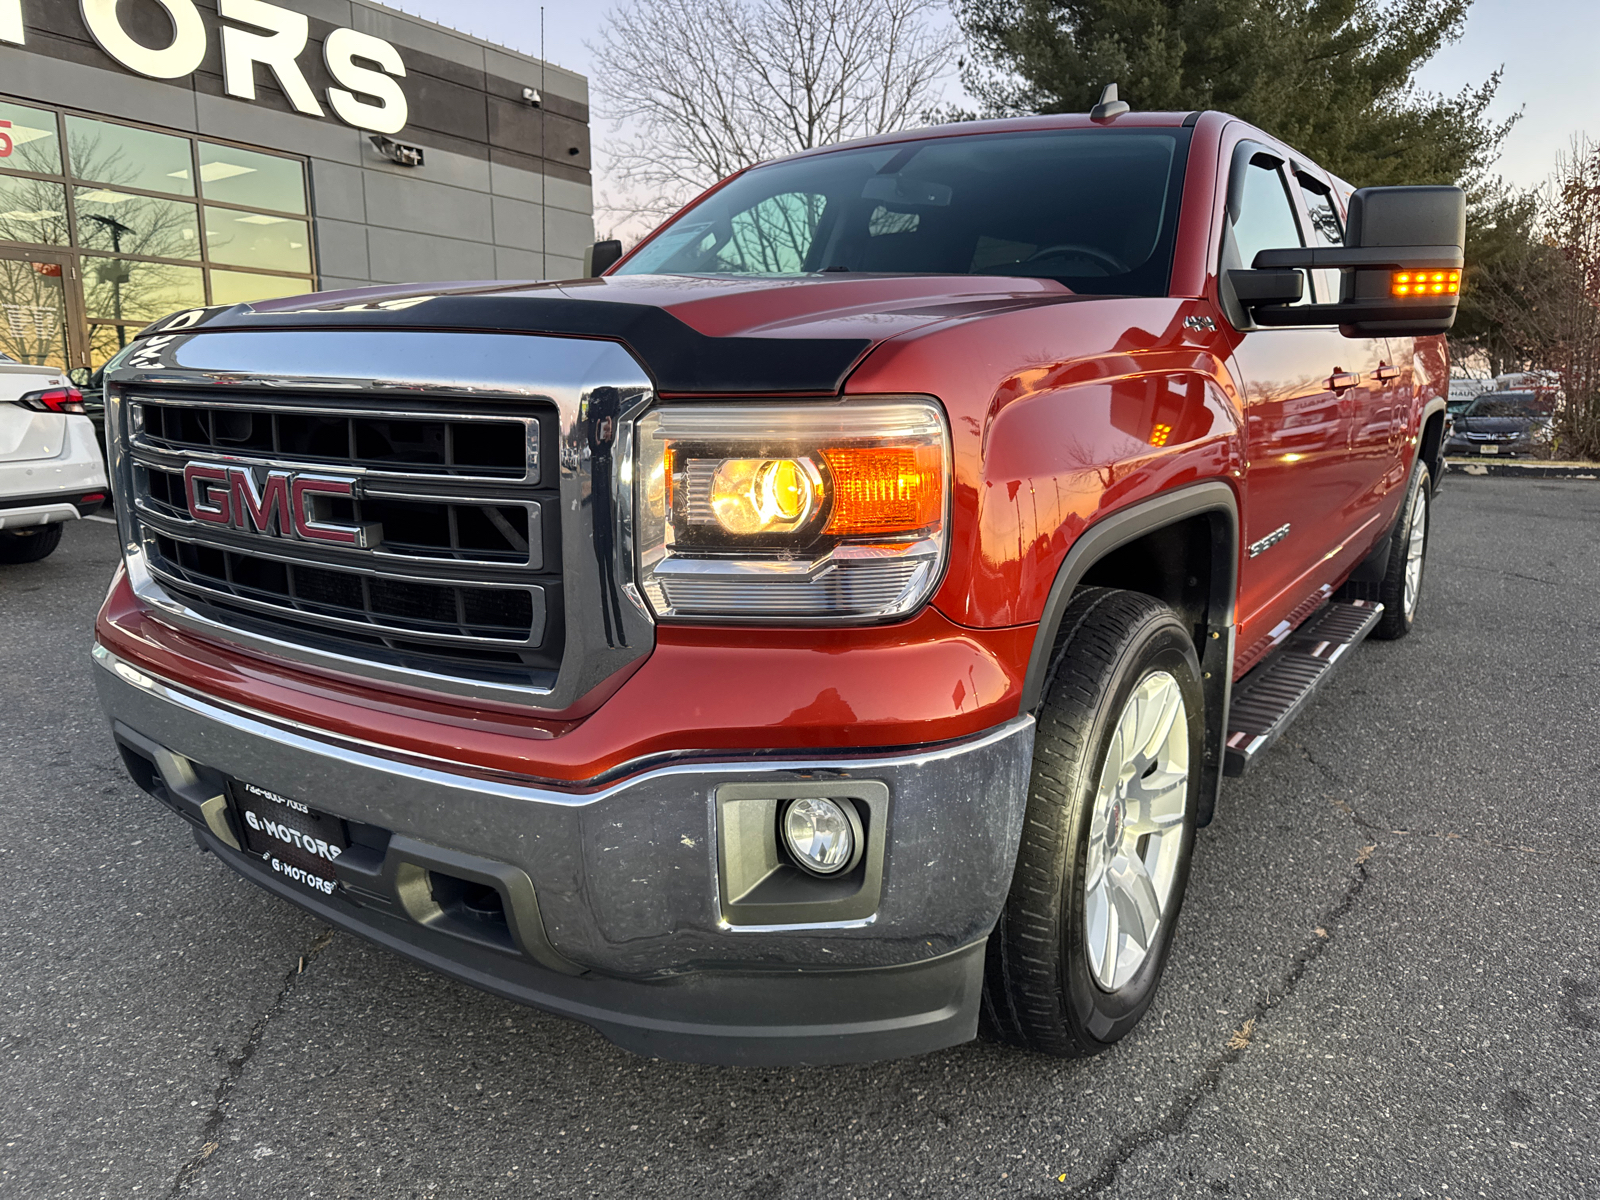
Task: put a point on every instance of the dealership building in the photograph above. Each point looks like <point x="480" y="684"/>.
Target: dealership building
<point x="168" y="154"/>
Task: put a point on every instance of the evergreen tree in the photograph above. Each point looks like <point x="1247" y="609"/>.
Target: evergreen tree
<point x="1330" y="77"/>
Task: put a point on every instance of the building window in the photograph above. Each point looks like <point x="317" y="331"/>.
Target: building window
<point x="146" y="221"/>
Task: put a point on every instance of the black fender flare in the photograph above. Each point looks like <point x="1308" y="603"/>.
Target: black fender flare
<point x="1435" y="406"/>
<point x="1214" y="499"/>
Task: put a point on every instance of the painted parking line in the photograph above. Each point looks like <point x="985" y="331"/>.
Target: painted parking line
<point x="102" y="520"/>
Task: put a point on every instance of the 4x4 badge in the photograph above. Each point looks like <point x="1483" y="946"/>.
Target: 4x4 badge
<point x="284" y="504"/>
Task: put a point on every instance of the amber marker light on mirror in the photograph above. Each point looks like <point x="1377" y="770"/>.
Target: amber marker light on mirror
<point x="1426" y="283"/>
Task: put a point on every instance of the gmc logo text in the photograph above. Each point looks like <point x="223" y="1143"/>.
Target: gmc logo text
<point x="284" y="505"/>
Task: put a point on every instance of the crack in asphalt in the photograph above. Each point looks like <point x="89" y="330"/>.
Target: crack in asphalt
<point x="1210" y="1079"/>
<point x="1484" y="569"/>
<point x="210" y="1132"/>
<point x="1487" y="843"/>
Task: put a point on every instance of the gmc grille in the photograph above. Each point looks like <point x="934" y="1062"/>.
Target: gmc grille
<point x="464" y="579"/>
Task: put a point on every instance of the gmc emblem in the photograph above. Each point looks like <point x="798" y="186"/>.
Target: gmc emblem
<point x="284" y="506"/>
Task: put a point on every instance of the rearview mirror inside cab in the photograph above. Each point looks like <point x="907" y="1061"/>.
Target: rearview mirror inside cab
<point x="1400" y="268"/>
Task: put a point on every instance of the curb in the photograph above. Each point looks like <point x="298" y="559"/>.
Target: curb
<point x="1522" y="470"/>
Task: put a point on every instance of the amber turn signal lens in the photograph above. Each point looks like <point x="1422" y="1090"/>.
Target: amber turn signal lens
<point x="1426" y="283"/>
<point x="885" y="489"/>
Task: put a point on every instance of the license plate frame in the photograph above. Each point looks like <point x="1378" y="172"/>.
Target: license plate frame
<point x="297" y="842"/>
<point x="1489" y="448"/>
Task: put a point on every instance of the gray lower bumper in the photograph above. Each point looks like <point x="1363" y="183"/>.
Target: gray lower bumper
<point x="617" y="911"/>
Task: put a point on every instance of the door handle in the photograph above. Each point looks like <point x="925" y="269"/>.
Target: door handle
<point x="1385" y="372"/>
<point x="1341" y="381"/>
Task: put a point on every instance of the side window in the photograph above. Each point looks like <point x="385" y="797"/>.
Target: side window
<point x="1266" y="219"/>
<point x="1326" y="230"/>
<point x="773" y="237"/>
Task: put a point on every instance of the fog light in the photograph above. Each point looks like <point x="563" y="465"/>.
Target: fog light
<point x="823" y="836"/>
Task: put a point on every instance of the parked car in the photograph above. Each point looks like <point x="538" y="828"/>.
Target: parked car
<point x="1462" y="393"/>
<point x="50" y="466"/>
<point x="830" y="625"/>
<point x="1501" y="423"/>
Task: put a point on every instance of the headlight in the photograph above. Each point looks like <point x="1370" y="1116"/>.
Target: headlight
<point x="791" y="512"/>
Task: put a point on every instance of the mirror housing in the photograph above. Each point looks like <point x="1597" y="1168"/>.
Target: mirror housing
<point x="1401" y="265"/>
<point x="600" y="258"/>
<point x="79" y="377"/>
<point x="1267" y="286"/>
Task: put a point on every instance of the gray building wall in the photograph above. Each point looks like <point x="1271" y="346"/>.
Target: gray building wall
<point x="505" y="191"/>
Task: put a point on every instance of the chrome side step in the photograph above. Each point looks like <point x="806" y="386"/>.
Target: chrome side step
<point x="1272" y="695"/>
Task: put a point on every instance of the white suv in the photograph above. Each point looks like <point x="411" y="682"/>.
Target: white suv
<point x="50" y="466"/>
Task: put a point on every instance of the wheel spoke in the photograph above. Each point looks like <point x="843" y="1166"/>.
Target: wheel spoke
<point x="1172" y="705"/>
<point x="1105" y="962"/>
<point x="1125" y="744"/>
<point x="1133" y="896"/>
<point x="1096" y="914"/>
<point x="1162" y="799"/>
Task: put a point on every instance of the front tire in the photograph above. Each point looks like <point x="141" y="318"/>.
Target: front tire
<point x="1081" y="943"/>
<point x="1400" y="590"/>
<point x="30" y="545"/>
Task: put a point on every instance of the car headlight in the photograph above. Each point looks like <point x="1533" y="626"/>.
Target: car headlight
<point x="791" y="512"/>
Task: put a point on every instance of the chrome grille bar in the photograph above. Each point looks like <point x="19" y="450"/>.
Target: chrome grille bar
<point x="448" y="443"/>
<point x="467" y="560"/>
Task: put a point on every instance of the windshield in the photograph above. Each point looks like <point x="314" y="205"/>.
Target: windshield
<point x="1092" y="208"/>
<point x="1521" y="404"/>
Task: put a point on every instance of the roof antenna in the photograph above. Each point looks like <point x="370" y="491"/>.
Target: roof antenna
<point x="1109" y="105"/>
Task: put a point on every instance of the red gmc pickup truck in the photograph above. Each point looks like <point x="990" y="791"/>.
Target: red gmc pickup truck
<point x="820" y="634"/>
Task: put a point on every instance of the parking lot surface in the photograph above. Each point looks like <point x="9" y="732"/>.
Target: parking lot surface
<point x="1385" y="983"/>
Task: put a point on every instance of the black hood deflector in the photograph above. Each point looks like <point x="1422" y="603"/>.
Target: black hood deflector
<point x="678" y="357"/>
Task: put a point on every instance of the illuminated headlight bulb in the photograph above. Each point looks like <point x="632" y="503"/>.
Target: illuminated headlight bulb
<point x="763" y="495"/>
<point x="823" y="836"/>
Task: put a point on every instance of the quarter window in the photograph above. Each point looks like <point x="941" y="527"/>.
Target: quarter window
<point x="1326" y="230"/>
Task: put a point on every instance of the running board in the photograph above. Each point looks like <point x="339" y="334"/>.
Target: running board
<point x="1273" y="694"/>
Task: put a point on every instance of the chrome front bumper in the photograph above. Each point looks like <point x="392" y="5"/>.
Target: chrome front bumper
<point x="616" y="895"/>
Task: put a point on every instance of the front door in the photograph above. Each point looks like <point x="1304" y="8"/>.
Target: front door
<point x="1299" y="386"/>
<point x="37" y="307"/>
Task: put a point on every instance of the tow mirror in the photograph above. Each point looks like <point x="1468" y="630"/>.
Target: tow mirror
<point x="1400" y="265"/>
<point x="600" y="258"/>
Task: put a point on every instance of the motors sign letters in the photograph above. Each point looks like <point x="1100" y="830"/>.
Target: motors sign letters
<point x="252" y="32"/>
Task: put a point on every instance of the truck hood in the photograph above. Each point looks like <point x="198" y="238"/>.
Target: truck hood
<point x="694" y="334"/>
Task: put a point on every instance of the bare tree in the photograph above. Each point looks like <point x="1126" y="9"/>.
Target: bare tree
<point x="1544" y="302"/>
<point x="698" y="89"/>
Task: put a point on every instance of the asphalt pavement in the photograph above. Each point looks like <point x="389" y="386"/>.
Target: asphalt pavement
<point x="1385" y="982"/>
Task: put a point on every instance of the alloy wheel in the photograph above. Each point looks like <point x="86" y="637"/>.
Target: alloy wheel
<point x="1136" y="830"/>
<point x="1416" y="545"/>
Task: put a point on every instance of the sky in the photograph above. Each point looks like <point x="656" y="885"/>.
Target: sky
<point x="1549" y="49"/>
